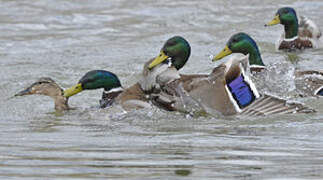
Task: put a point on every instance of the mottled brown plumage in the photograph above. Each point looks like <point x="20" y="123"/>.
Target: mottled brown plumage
<point x="48" y="87"/>
<point x="210" y="92"/>
<point x="295" y="44"/>
<point x="309" y="83"/>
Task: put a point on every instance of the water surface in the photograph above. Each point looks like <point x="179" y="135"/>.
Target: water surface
<point x="65" y="39"/>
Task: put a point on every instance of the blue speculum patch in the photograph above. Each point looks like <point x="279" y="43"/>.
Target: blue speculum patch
<point x="241" y="91"/>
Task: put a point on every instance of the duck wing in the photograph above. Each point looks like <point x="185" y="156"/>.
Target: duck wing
<point x="269" y="105"/>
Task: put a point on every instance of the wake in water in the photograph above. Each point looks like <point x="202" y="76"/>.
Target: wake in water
<point x="278" y="79"/>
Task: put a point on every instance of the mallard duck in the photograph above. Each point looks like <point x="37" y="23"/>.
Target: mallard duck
<point x="310" y="83"/>
<point x="97" y="79"/>
<point x="227" y="90"/>
<point x="243" y="43"/>
<point x="48" y="87"/>
<point x="244" y="92"/>
<point x="174" y="54"/>
<point x="298" y="34"/>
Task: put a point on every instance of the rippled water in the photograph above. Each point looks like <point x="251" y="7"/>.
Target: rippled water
<point x="65" y="39"/>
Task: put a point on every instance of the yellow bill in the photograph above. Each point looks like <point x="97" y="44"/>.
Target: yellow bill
<point x="162" y="57"/>
<point x="226" y="51"/>
<point x="73" y="90"/>
<point x="275" y="21"/>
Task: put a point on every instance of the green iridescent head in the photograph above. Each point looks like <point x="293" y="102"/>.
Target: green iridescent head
<point x="242" y="43"/>
<point x="287" y="17"/>
<point x="176" y="49"/>
<point x="95" y="79"/>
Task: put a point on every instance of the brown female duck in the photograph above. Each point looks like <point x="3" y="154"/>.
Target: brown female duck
<point x="48" y="87"/>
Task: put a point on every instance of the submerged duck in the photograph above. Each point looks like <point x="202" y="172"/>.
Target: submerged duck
<point x="48" y="87"/>
<point x="129" y="98"/>
<point x="298" y="34"/>
<point x="97" y="79"/>
<point x="311" y="82"/>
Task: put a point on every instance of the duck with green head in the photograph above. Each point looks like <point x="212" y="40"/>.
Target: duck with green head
<point x="227" y="90"/>
<point x="298" y="34"/>
<point x="113" y="92"/>
<point x="175" y="52"/>
<point x="98" y="79"/>
<point x="173" y="56"/>
<point x="243" y="43"/>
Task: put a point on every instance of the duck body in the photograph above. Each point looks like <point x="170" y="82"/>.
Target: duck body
<point x="228" y="90"/>
<point x="309" y="83"/>
<point x="48" y="87"/>
<point x="299" y="33"/>
<point x="137" y="95"/>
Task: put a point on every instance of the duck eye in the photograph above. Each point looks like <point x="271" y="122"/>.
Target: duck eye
<point x="171" y="43"/>
<point x="42" y="82"/>
<point x="285" y="11"/>
<point x="234" y="40"/>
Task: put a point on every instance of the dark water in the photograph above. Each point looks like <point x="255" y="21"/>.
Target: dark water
<point x="65" y="39"/>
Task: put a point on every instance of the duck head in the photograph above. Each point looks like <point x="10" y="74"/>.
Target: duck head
<point x="287" y="17"/>
<point x="176" y="50"/>
<point x="95" y="79"/>
<point x="48" y="87"/>
<point x="44" y="86"/>
<point x="242" y="43"/>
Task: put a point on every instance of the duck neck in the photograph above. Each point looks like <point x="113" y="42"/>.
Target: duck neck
<point x="291" y="29"/>
<point x="61" y="103"/>
<point x="179" y="61"/>
<point x="254" y="56"/>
